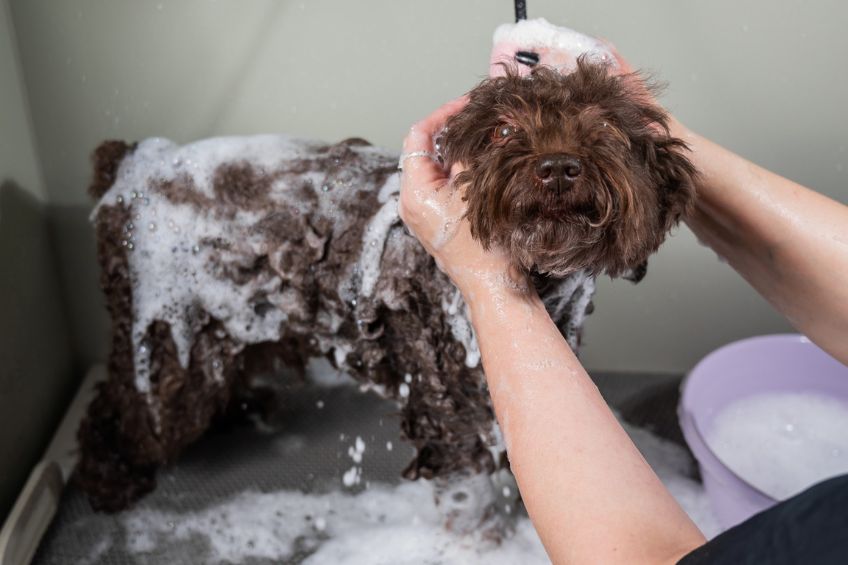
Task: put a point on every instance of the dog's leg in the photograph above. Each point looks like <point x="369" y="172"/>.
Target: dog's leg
<point x="478" y="504"/>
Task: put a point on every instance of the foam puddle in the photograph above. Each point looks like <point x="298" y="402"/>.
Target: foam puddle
<point x="782" y="442"/>
<point x="384" y="524"/>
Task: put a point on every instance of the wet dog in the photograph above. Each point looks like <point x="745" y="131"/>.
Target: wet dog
<point x="570" y="171"/>
<point x="236" y="257"/>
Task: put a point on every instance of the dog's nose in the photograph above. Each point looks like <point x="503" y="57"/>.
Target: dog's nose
<point x="556" y="168"/>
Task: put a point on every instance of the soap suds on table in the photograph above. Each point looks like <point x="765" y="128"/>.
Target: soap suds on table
<point x="383" y="524"/>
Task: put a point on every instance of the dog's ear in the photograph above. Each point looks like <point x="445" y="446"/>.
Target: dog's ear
<point x="465" y="134"/>
<point x="675" y="177"/>
<point x="631" y="100"/>
<point x="469" y="132"/>
<point x="637" y="273"/>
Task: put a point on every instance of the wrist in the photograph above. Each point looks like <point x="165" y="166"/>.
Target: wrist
<point x="501" y="286"/>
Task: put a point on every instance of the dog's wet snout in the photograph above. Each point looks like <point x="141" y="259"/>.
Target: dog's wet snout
<point x="556" y="169"/>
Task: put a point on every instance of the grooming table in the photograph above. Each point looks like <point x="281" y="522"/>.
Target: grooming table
<point x="304" y="448"/>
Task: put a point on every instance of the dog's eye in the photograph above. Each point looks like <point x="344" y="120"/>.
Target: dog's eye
<point x="503" y="131"/>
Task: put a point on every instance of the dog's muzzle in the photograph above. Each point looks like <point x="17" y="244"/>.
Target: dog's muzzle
<point x="558" y="170"/>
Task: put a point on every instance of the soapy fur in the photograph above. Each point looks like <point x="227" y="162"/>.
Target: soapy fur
<point x="229" y="260"/>
<point x="230" y="265"/>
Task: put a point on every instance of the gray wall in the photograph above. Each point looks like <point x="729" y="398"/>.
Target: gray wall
<point x="36" y="373"/>
<point x="765" y="78"/>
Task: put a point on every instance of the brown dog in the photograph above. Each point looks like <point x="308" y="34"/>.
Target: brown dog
<point x="227" y="258"/>
<point x="570" y="172"/>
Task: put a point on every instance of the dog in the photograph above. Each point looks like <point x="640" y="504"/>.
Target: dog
<point x="231" y="258"/>
<point x="569" y="172"/>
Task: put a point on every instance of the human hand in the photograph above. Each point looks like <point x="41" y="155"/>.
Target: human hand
<point x="528" y="43"/>
<point x="433" y="208"/>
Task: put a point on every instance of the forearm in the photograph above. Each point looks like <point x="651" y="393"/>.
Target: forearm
<point x="790" y="243"/>
<point x="591" y="495"/>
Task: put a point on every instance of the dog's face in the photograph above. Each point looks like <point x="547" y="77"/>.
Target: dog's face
<point x="569" y="172"/>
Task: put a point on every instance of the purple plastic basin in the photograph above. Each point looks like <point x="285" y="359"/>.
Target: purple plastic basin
<point x="772" y="363"/>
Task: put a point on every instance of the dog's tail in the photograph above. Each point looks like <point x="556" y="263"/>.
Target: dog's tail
<point x="105" y="161"/>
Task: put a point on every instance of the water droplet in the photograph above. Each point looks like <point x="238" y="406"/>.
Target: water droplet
<point x="195" y="248"/>
<point x="325" y="188"/>
<point x="151" y="226"/>
<point x="407" y="378"/>
<point x="319" y="404"/>
<point x="134" y="195"/>
<point x="507" y="491"/>
<point x="403" y="390"/>
<point x="388" y="446"/>
<point x="142" y="349"/>
<point x="130" y="246"/>
<point x="124" y="242"/>
<point x="120" y="199"/>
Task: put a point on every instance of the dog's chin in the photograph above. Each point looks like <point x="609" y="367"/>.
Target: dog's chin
<point x="570" y="207"/>
<point x="553" y="244"/>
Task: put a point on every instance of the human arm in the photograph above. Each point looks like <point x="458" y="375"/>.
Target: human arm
<point x="789" y="242"/>
<point x="590" y="494"/>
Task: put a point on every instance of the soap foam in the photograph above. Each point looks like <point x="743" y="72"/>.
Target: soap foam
<point x="540" y="32"/>
<point x="554" y="46"/>
<point x="782" y="442"/>
<point x="175" y="251"/>
<point x="382" y="524"/>
<point x="168" y="244"/>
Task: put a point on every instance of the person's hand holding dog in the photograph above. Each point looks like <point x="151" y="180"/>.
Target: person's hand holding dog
<point x="433" y="209"/>
<point x="547" y="406"/>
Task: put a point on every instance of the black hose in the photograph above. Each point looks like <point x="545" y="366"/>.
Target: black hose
<point x="520" y="10"/>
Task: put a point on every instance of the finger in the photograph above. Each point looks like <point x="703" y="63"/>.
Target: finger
<point x="622" y="64"/>
<point x="420" y="137"/>
<point x="418" y="158"/>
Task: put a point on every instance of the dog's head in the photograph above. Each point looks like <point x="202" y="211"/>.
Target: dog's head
<point x="569" y="172"/>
